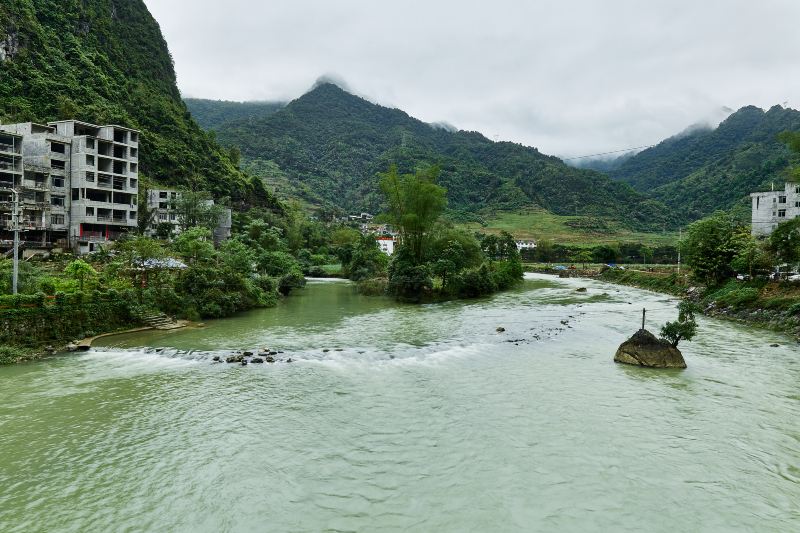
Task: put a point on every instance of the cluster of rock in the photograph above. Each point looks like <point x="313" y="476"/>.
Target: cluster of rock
<point x="645" y="349"/>
<point x="244" y="357"/>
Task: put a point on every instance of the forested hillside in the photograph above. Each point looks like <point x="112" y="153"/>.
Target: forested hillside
<point x="702" y="170"/>
<point x="105" y="61"/>
<point x="211" y="114"/>
<point x="329" y="146"/>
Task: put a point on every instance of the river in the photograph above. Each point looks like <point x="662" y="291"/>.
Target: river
<point x="417" y="418"/>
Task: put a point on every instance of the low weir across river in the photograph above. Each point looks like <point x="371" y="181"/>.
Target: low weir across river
<point x="397" y="417"/>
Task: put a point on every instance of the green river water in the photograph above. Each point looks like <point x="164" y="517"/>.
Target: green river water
<point x="418" y="418"/>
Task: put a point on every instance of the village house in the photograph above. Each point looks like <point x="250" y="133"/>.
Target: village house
<point x="771" y="208"/>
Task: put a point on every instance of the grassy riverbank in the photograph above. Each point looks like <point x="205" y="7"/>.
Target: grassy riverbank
<point x="762" y="303"/>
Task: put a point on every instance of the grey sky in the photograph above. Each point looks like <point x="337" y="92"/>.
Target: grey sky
<point x="570" y="77"/>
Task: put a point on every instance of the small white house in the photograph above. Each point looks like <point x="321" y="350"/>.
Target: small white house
<point x="386" y="244"/>
<point x="526" y="245"/>
<point x="771" y="208"/>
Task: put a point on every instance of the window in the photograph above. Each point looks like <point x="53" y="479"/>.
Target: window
<point x="162" y="205"/>
<point x="90" y="211"/>
<point x="134" y="152"/>
<point x="57" y="200"/>
<point x="58" y="148"/>
<point x="76" y="194"/>
<point x="132" y="215"/>
<point x="133" y="183"/>
<point x="58" y="165"/>
<point x="781" y="213"/>
<point x="774" y="200"/>
<point x="90" y="144"/>
<point x="781" y="199"/>
<point x="58" y="181"/>
<point x="172" y="216"/>
<point x="797" y="204"/>
<point x="162" y="217"/>
<point x="90" y="176"/>
<point x="162" y="194"/>
<point x="57" y="219"/>
<point x="90" y="160"/>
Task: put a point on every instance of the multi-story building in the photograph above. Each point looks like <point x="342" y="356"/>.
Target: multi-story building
<point x="41" y="187"/>
<point x="771" y="208"/>
<point x="81" y="183"/>
<point x="11" y="172"/>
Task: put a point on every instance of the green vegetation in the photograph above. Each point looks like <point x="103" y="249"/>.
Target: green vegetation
<point x="213" y="114"/>
<point x="329" y="147"/>
<point x="682" y="329"/>
<point x="703" y="170"/>
<point x="539" y="224"/>
<point x="107" y="63"/>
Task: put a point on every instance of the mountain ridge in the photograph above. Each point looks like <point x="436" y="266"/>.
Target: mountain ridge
<point x="331" y="145"/>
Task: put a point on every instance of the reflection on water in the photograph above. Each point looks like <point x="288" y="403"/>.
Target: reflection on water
<point x="420" y="418"/>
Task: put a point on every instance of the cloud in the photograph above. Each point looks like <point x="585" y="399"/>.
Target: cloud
<point x="571" y="78"/>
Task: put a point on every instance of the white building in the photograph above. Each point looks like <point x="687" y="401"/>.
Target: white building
<point x="80" y="183"/>
<point x="386" y="244"/>
<point x="526" y="245"/>
<point x="771" y="208"/>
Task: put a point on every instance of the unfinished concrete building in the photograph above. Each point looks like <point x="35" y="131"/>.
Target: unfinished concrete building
<point x="80" y="183"/>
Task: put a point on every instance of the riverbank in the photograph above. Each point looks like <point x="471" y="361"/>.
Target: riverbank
<point x="766" y="304"/>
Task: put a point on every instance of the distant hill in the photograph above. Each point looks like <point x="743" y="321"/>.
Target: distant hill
<point x="211" y="114"/>
<point x="704" y="169"/>
<point x="328" y="146"/>
<point x="106" y="62"/>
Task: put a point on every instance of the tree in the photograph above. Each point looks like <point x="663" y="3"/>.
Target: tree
<point x="750" y="255"/>
<point x="196" y="209"/>
<point x="682" y="329"/>
<point x="710" y="247"/>
<point x="80" y="271"/>
<point x="784" y="242"/>
<point x="582" y="256"/>
<point x="414" y="203"/>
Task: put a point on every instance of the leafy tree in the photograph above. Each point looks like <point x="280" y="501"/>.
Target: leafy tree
<point x="682" y="329"/>
<point x="784" y="241"/>
<point x="80" y="271"/>
<point x="195" y="245"/>
<point x="751" y="256"/>
<point x="582" y="256"/>
<point x="414" y="203"/>
<point x="367" y="261"/>
<point x="710" y="247"/>
<point x="196" y="209"/>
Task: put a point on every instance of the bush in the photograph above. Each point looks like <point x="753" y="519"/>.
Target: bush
<point x="474" y="282"/>
<point x="373" y="287"/>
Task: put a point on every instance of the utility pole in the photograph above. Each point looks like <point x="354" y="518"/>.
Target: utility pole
<point x="680" y="240"/>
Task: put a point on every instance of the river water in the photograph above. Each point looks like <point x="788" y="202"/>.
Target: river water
<point x="417" y="418"/>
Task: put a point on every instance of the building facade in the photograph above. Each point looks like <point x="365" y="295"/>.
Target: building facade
<point x="771" y="208"/>
<point x="80" y="183"/>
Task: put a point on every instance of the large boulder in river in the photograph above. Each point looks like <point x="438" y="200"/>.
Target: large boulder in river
<point x="645" y="349"/>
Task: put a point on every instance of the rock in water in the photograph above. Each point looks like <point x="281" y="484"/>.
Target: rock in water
<point x="645" y="349"/>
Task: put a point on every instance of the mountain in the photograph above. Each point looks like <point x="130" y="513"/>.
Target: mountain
<point x="106" y="62"/>
<point x="704" y="169"/>
<point x="328" y="147"/>
<point x="211" y="114"/>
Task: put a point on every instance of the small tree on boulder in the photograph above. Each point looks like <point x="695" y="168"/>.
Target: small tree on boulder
<point x="682" y="329"/>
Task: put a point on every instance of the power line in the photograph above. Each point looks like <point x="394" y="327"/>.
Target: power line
<point x="608" y="153"/>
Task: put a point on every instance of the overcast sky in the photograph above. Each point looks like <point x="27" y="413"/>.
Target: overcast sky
<point x="571" y="77"/>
